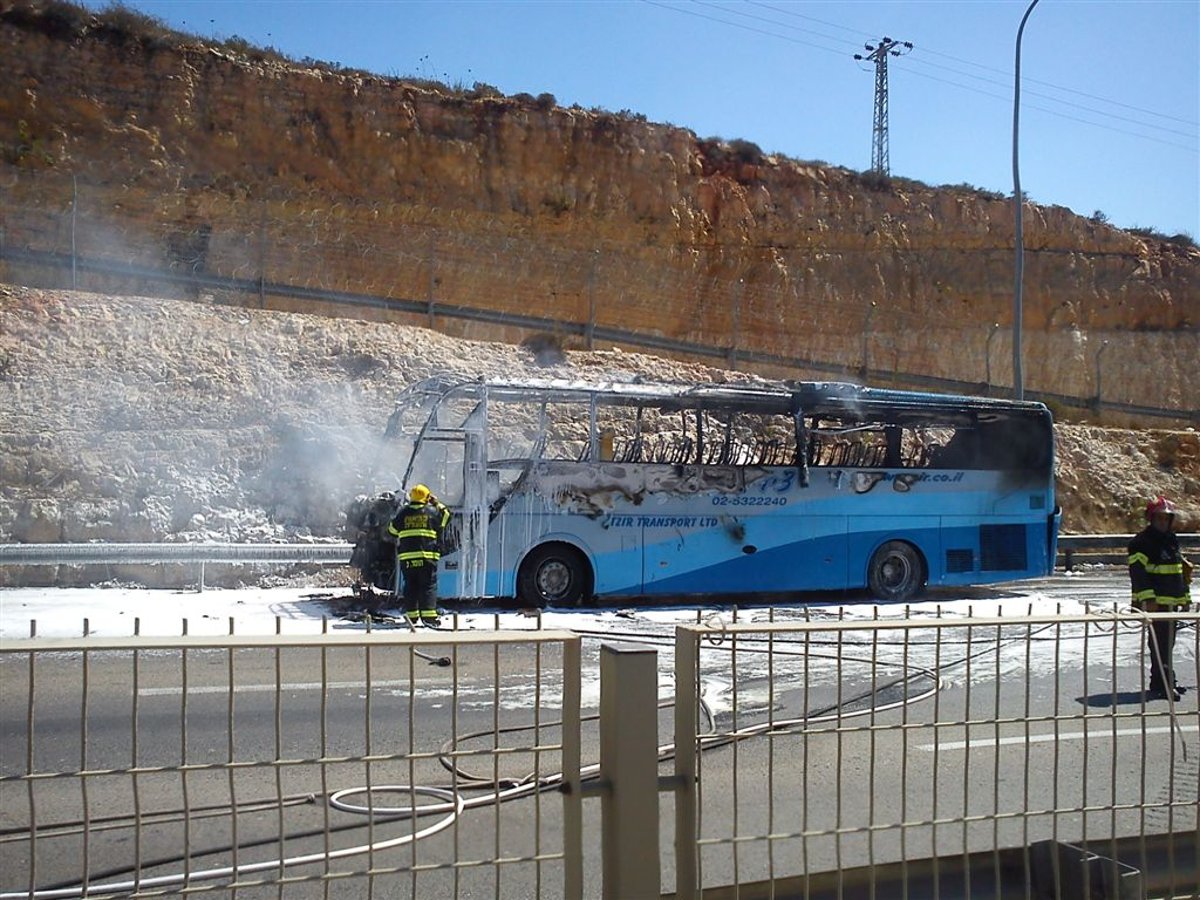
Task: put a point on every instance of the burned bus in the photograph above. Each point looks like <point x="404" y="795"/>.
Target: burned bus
<point x="563" y="491"/>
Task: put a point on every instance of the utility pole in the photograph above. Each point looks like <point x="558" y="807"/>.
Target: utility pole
<point x="879" y="133"/>
<point x="1018" y="228"/>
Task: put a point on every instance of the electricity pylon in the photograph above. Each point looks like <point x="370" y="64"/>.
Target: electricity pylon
<point x="879" y="133"/>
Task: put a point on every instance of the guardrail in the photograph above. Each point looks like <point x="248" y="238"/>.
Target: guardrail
<point x="117" y="553"/>
<point x="590" y="330"/>
<point x="1105" y="548"/>
<point x="923" y="757"/>
<point x="1073" y="550"/>
<point x="88" y="554"/>
<point x="885" y="757"/>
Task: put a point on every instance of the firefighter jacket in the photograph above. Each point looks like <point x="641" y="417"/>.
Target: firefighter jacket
<point x="1156" y="570"/>
<point x="418" y="529"/>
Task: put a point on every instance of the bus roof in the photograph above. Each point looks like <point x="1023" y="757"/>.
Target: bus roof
<point x="838" y="399"/>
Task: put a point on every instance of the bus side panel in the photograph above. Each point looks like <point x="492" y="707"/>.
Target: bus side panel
<point x="996" y="550"/>
<point x="727" y="554"/>
<point x="614" y="553"/>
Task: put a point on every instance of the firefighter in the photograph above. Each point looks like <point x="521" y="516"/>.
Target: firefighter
<point x="1159" y="576"/>
<point x="418" y="528"/>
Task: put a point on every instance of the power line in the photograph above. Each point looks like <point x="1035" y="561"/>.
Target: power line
<point x="1007" y="74"/>
<point x="737" y="12"/>
<point x="782" y="37"/>
<point x="1068" y="90"/>
<point x="1058" y="113"/>
<point x="1052" y="99"/>
<point x="1067" y="103"/>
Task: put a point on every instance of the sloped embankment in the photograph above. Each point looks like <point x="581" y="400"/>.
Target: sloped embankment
<point x="140" y="419"/>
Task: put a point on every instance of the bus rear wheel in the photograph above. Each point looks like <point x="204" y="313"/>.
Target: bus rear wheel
<point x="554" y="575"/>
<point x="896" y="571"/>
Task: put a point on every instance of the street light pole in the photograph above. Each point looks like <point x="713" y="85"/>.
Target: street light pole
<point x="1018" y="202"/>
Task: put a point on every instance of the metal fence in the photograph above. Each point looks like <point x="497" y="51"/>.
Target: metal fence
<point x="977" y="757"/>
<point x="814" y="755"/>
<point x="344" y="765"/>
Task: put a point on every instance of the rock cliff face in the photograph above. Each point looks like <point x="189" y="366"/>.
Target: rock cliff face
<point x="244" y="165"/>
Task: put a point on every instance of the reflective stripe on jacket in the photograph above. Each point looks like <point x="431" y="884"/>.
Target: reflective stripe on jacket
<point x="418" y="528"/>
<point x="1156" y="569"/>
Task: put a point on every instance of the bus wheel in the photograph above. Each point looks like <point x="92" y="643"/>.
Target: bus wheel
<point x="896" y="571"/>
<point x="554" y="575"/>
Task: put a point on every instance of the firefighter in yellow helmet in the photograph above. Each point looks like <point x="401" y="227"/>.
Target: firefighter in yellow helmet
<point x="418" y="529"/>
<point x="1159" y="576"/>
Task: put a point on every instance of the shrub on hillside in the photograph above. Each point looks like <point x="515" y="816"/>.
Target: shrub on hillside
<point x="1182" y="239"/>
<point x="56" y="18"/>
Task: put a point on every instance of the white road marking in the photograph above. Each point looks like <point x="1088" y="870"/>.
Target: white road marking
<point x="268" y="688"/>
<point x="1063" y="736"/>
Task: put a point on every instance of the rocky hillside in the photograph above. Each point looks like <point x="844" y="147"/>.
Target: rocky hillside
<point x="142" y="420"/>
<point x="122" y="142"/>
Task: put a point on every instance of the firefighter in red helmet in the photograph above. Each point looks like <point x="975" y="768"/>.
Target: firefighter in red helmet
<point x="1160" y="576"/>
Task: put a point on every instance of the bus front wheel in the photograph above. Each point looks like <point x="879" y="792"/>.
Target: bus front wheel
<point x="554" y="575"/>
<point x="896" y="571"/>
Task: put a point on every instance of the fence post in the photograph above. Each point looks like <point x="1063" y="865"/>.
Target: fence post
<point x="866" y="348"/>
<point x="738" y="287"/>
<point x="572" y="786"/>
<point x="987" y="358"/>
<point x="262" y="255"/>
<point x="590" y="329"/>
<point x="74" y="208"/>
<point x="629" y="770"/>
<point x="432" y="280"/>
<point x="1099" y="394"/>
<point x="687" y="685"/>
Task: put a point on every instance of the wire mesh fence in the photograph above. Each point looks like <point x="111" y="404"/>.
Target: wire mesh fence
<point x="814" y="310"/>
<point x="330" y="765"/>
<point x="818" y="752"/>
<point x="957" y="756"/>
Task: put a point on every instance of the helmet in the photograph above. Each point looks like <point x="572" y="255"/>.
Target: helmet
<point x="418" y="493"/>
<point x="1159" y="505"/>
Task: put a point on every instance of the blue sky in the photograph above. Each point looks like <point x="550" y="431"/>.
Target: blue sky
<point x="1110" y="96"/>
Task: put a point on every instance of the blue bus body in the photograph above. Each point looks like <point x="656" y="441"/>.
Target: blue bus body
<point x="842" y="487"/>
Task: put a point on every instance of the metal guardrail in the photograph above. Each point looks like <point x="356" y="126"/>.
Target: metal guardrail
<point x="200" y="555"/>
<point x="259" y="287"/>
<point x="338" y="554"/>
<point x="1105" y="548"/>
<point x="118" y="553"/>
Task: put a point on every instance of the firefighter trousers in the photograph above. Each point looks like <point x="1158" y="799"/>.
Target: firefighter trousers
<point x="420" y="588"/>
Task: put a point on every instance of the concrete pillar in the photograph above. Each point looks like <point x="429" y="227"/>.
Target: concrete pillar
<point x="629" y="772"/>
